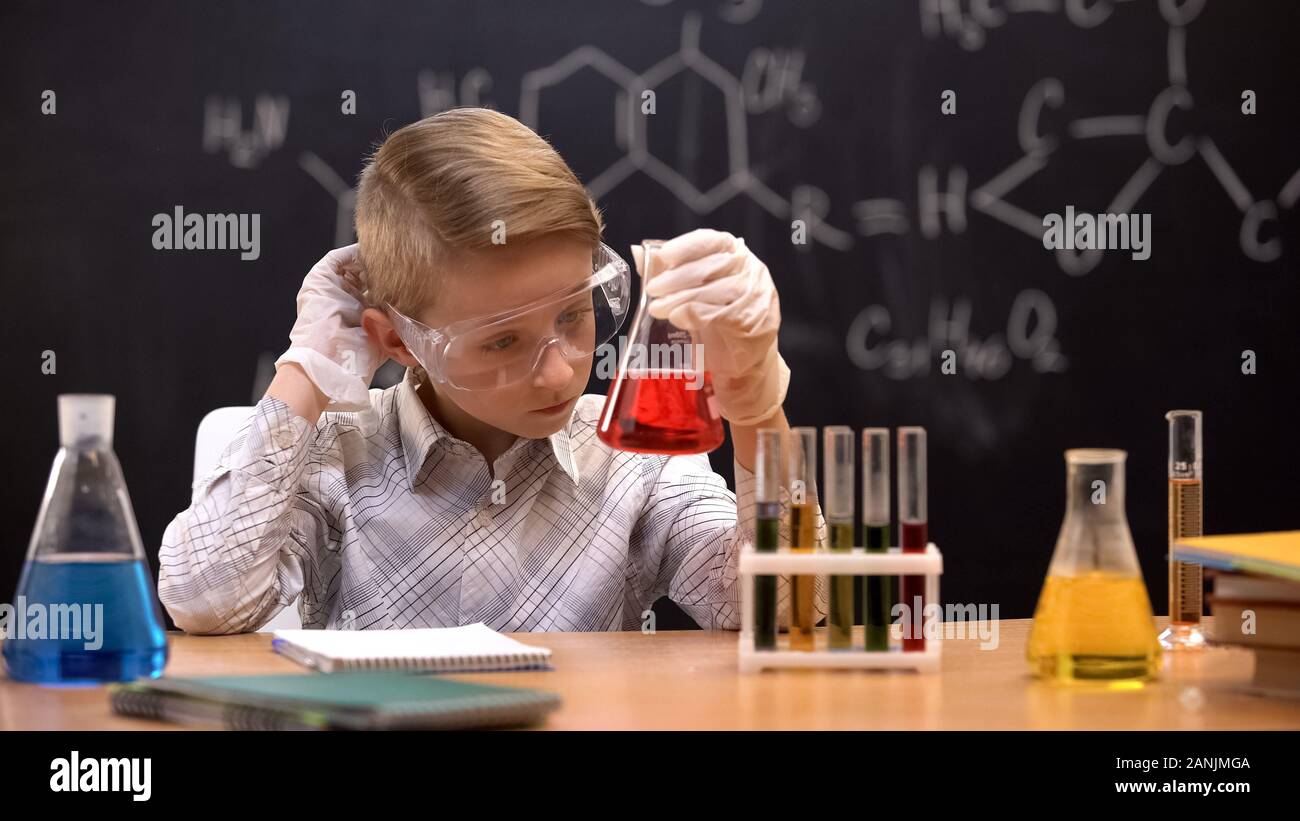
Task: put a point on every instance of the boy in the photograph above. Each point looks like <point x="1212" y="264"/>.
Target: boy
<point x="476" y="490"/>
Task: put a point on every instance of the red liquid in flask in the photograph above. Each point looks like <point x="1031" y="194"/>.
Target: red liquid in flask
<point x="915" y="538"/>
<point x="661" y="412"/>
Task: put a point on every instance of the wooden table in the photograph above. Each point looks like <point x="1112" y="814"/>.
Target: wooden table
<point x="688" y="680"/>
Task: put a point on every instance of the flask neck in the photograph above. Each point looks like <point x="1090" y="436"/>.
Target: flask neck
<point x="1095" y="490"/>
<point x="86" y="421"/>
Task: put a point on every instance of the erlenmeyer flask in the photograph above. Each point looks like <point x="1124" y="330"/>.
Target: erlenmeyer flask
<point x="662" y="398"/>
<point x="86" y="609"/>
<point x="1094" y="621"/>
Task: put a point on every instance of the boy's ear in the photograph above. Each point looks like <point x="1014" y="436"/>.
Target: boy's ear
<point x="380" y="329"/>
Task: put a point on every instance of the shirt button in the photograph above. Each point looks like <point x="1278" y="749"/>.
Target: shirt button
<point x="283" y="438"/>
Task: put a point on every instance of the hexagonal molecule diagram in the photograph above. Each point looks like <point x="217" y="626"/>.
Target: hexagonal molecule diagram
<point x="601" y="108"/>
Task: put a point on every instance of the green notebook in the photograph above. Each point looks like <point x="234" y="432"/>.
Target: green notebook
<point x="339" y="701"/>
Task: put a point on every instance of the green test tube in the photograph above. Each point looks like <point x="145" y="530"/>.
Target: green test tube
<point x="837" y="507"/>
<point x="767" y="533"/>
<point x="877" y="591"/>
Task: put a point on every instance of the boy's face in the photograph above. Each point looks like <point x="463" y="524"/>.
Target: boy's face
<point x="500" y="279"/>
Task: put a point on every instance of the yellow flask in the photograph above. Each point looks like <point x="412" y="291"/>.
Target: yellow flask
<point x="1094" y="620"/>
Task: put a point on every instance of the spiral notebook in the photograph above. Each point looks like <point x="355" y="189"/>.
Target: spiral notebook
<point x="468" y="648"/>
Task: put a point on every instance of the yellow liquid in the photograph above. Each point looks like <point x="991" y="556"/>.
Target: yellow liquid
<point x="1094" y="627"/>
<point x="803" y="539"/>
<point x="840" y="634"/>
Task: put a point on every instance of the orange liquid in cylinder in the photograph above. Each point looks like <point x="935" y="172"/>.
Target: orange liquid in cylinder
<point x="661" y="411"/>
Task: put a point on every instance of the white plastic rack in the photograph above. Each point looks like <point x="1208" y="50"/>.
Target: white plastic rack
<point x="857" y="562"/>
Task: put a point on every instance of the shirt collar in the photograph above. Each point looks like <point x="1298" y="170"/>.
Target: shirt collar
<point x="420" y="433"/>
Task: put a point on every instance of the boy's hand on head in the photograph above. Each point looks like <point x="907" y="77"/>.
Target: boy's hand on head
<point x="712" y="285"/>
<point x="327" y="341"/>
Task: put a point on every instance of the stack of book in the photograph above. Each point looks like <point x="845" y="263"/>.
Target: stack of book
<point x="370" y="700"/>
<point x="368" y="681"/>
<point x="1256" y="600"/>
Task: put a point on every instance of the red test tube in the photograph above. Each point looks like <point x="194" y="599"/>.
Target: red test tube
<point x="913" y="518"/>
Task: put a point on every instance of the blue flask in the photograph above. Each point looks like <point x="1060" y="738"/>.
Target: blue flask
<point x="86" y="610"/>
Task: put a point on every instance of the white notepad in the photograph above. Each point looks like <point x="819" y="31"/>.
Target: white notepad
<point x="471" y="647"/>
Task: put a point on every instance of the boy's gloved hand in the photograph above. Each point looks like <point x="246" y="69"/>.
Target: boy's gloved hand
<point x="327" y="341"/>
<point x="709" y="283"/>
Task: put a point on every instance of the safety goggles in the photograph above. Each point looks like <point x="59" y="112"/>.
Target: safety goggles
<point x="490" y="352"/>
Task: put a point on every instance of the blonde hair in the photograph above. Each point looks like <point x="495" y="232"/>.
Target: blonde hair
<point x="437" y="187"/>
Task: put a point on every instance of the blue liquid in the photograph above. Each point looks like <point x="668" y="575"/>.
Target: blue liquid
<point x="126" y="634"/>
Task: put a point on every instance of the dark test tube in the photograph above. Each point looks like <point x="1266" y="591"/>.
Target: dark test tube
<point x="914" y="521"/>
<point x="877" y="591"/>
<point x="837" y="506"/>
<point x="767" y="533"/>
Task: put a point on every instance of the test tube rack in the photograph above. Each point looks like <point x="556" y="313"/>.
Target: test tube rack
<point x="822" y="562"/>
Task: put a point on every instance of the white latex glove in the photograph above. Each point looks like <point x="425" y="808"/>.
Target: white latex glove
<point x="327" y="341"/>
<point x="709" y="283"/>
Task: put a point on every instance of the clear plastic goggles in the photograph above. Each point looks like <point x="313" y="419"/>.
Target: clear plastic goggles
<point x="489" y="352"/>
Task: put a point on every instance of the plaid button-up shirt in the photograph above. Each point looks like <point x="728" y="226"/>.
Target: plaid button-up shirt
<point x="384" y="520"/>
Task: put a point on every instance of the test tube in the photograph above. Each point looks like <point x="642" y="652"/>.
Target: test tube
<point x="1185" y="521"/>
<point x="803" y="532"/>
<point x="877" y="593"/>
<point x="913" y="519"/>
<point x="837" y="507"/>
<point x="767" y="533"/>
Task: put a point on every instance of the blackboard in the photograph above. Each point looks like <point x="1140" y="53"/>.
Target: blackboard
<point x="923" y="227"/>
